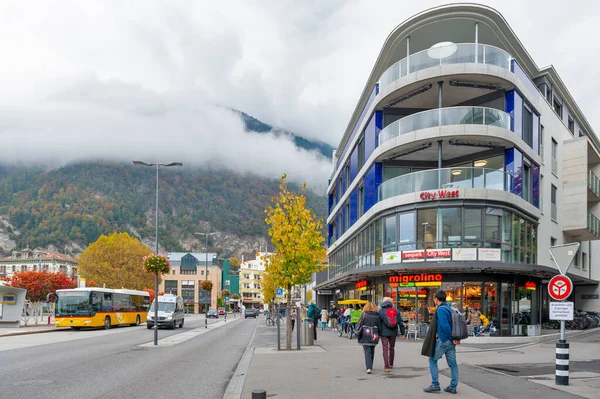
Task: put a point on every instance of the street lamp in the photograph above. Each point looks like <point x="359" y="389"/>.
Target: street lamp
<point x="158" y="165"/>
<point x="206" y="273"/>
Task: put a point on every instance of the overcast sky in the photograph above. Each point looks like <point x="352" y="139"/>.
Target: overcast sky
<point x="149" y="79"/>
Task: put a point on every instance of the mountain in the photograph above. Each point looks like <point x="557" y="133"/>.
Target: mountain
<point x="254" y="125"/>
<point x="69" y="208"/>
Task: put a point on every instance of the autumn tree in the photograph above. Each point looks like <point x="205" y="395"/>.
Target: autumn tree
<point x="235" y="262"/>
<point x="38" y="286"/>
<point x="116" y="260"/>
<point x="268" y="288"/>
<point x="297" y="236"/>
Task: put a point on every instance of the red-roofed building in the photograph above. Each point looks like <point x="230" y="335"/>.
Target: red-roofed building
<point x="37" y="260"/>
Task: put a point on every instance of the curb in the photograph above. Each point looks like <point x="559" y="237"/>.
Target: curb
<point x="15" y="333"/>
<point x="236" y="384"/>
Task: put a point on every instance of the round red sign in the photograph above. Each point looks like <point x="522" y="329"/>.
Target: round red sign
<point x="560" y="287"/>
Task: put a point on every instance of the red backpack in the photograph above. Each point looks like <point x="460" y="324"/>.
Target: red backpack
<point x="390" y="319"/>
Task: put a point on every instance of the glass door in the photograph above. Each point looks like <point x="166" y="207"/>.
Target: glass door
<point x="505" y="317"/>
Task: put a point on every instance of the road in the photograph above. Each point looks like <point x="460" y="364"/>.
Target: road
<point x="123" y="363"/>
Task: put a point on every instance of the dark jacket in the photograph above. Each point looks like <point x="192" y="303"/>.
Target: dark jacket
<point x="385" y="330"/>
<point x="368" y="319"/>
<point x="444" y="322"/>
<point x="428" y="348"/>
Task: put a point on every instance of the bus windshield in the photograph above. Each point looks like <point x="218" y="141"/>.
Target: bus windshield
<point x="168" y="307"/>
<point x="73" y="303"/>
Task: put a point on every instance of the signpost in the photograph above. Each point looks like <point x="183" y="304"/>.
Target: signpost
<point x="560" y="288"/>
<point x="279" y="292"/>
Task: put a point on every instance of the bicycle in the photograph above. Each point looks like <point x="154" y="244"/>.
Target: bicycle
<point x="270" y="322"/>
<point x="488" y="330"/>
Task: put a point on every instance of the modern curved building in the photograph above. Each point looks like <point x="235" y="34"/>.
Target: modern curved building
<point x="462" y="163"/>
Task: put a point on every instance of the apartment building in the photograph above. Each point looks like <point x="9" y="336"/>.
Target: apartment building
<point x="37" y="260"/>
<point x="251" y="275"/>
<point x="462" y="163"/>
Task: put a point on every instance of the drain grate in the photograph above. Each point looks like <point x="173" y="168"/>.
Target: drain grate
<point x="505" y="370"/>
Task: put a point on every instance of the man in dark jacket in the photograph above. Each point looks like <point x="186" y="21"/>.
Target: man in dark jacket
<point x="389" y="331"/>
<point x="314" y="313"/>
<point x="444" y="344"/>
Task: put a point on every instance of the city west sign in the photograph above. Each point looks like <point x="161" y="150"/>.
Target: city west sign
<point x="439" y="194"/>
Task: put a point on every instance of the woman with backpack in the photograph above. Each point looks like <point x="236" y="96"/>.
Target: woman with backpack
<point x="391" y="321"/>
<point x="368" y="330"/>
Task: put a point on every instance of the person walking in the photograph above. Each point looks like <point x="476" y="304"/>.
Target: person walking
<point x="324" y="319"/>
<point x="474" y="319"/>
<point x="314" y="313"/>
<point x="391" y="322"/>
<point x="368" y="330"/>
<point x="439" y="342"/>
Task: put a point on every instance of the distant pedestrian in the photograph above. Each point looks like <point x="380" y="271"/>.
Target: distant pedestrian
<point x="314" y="313"/>
<point x="439" y="342"/>
<point x="391" y="323"/>
<point x="293" y="316"/>
<point x="324" y="319"/>
<point x="474" y="319"/>
<point x="368" y="330"/>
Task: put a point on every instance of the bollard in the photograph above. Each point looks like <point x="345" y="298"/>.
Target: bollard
<point x="206" y="320"/>
<point x="259" y="394"/>
<point x="48" y="319"/>
<point x="562" y="363"/>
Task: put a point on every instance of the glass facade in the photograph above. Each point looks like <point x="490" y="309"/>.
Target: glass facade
<point x="512" y="236"/>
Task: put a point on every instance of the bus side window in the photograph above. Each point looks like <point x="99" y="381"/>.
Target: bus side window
<point x="96" y="302"/>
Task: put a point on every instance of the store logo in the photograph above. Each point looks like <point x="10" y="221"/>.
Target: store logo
<point x="415" y="278"/>
<point x="361" y="285"/>
<point x="530" y="285"/>
<point x="439" y="194"/>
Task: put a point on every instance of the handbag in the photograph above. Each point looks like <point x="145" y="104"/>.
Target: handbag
<point x="369" y="335"/>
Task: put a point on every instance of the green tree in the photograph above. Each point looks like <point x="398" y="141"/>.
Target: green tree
<point x="297" y="236"/>
<point x="117" y="261"/>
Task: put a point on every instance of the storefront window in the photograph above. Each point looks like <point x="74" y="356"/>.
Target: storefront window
<point x="407" y="231"/>
<point x="490" y="301"/>
<point x="453" y="294"/>
<point x="427" y="227"/>
<point x="472" y="230"/>
<point x="450" y="220"/>
<point x="471" y="296"/>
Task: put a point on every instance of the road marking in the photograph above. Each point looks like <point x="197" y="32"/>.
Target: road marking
<point x="185" y="336"/>
<point x="236" y="384"/>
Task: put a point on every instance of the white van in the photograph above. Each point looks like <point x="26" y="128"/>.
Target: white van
<point x="170" y="312"/>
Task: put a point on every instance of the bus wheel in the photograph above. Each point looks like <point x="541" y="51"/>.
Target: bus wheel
<point x="137" y="320"/>
<point x="107" y="323"/>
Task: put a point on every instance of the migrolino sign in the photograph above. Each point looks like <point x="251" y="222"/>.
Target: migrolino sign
<point x="439" y="194"/>
<point x="361" y="285"/>
<point x="416" y="278"/>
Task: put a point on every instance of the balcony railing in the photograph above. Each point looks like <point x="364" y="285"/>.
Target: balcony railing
<point x="462" y="53"/>
<point x="594" y="183"/>
<point x="445" y="117"/>
<point x="447" y="178"/>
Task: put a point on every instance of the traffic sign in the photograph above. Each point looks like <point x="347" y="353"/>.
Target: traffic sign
<point x="561" y="310"/>
<point x="563" y="255"/>
<point x="560" y="287"/>
<point x="279" y="292"/>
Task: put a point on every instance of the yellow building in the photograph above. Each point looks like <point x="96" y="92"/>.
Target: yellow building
<point x="188" y="270"/>
<point x="251" y="274"/>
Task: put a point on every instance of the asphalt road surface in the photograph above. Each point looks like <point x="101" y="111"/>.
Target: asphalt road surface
<point x="119" y="363"/>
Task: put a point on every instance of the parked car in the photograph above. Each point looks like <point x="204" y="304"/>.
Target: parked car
<point x="250" y="313"/>
<point x="222" y="311"/>
<point x="255" y="312"/>
<point x="212" y="314"/>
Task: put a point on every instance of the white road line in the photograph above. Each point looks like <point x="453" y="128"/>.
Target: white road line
<point x="186" y="336"/>
<point x="236" y="384"/>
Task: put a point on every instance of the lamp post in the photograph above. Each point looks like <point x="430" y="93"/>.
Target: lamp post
<point x="158" y="165"/>
<point x="206" y="272"/>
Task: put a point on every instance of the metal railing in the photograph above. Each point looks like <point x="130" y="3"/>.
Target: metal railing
<point x="593" y="224"/>
<point x="594" y="183"/>
<point x="446" y="178"/>
<point x="445" y="117"/>
<point x="461" y="53"/>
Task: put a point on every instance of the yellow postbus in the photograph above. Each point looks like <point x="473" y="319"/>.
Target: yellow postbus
<point x="100" y="307"/>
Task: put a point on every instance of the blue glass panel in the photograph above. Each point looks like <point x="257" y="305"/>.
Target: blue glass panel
<point x="372" y="180"/>
<point x="353" y="165"/>
<point x="509" y="166"/>
<point x="519" y="73"/>
<point x="353" y="207"/>
<point x="509" y="107"/>
<point x="536" y="133"/>
<point x="518" y="177"/>
<point x="372" y="132"/>
<point x="536" y="185"/>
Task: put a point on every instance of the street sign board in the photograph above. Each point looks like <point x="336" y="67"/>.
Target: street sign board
<point x="325" y="292"/>
<point x="561" y="310"/>
<point x="563" y="256"/>
<point x="279" y="292"/>
<point x="560" y="287"/>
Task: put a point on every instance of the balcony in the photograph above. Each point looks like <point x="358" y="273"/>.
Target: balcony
<point x="593" y="225"/>
<point x="593" y="186"/>
<point x="445" y="117"/>
<point x="461" y="53"/>
<point x="447" y="178"/>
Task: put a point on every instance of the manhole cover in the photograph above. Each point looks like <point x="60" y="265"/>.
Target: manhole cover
<point x="34" y="382"/>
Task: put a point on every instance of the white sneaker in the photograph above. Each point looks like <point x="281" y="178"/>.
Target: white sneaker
<point x="368" y="371"/>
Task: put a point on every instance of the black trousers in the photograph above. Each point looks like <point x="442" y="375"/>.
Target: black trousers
<point x="293" y="323"/>
<point x="369" y="356"/>
<point x="315" y="328"/>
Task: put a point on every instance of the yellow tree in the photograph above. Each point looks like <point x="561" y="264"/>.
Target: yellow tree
<point x="268" y="288"/>
<point x="297" y="236"/>
<point x="116" y="260"/>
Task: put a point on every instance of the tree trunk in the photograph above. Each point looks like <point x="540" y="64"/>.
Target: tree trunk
<point x="288" y="320"/>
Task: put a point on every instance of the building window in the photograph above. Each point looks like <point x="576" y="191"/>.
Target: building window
<point x="347" y="218"/>
<point x="541" y="191"/>
<point x="576" y="261"/>
<point x="347" y="173"/>
<point x="542" y="143"/>
<point x="407" y="231"/>
<point x="581" y="133"/>
<point x="361" y="201"/>
<point x="554" y="156"/>
<point x="583" y="261"/>
<point x="389" y="234"/>
<point x="571" y="125"/>
<point x="361" y="153"/>
<point x="527" y="189"/>
<point x="472" y="229"/>
<point x="552" y="241"/>
<point x="558" y="108"/>
<point x="528" y="126"/>
<point x="553" y="208"/>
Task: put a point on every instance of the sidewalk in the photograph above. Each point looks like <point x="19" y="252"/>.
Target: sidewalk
<point x="335" y="368"/>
